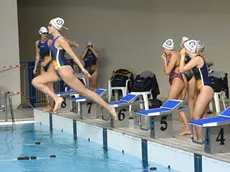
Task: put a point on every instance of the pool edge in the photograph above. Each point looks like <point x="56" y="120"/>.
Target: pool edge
<point x="144" y="149"/>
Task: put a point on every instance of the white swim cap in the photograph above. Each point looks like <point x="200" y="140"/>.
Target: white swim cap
<point x="183" y="39"/>
<point x="43" y="30"/>
<point x="168" y="44"/>
<point x="200" y="44"/>
<point x="58" y="23"/>
<point x="89" y="43"/>
<point x="191" y="45"/>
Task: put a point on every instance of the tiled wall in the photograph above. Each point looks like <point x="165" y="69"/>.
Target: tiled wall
<point x="148" y="151"/>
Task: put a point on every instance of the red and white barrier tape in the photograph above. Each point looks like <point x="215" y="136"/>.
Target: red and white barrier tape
<point x="11" y="92"/>
<point x="10" y="66"/>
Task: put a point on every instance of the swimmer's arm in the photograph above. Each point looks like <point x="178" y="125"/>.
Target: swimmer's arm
<point x="84" y="53"/>
<point x="94" y="52"/>
<point x="168" y="68"/>
<point x="65" y="45"/>
<point x="190" y="65"/>
<point x="49" y="42"/>
<point x="71" y="43"/>
<point x="36" y="56"/>
<point x="210" y="63"/>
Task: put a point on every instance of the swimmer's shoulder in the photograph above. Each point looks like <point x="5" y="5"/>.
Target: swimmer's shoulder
<point x="49" y="41"/>
<point x="61" y="39"/>
<point x="176" y="55"/>
<point x="36" y="43"/>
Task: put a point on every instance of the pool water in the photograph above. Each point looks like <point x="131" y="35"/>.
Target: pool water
<point x="72" y="155"/>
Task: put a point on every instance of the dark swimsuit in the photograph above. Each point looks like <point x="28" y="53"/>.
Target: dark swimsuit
<point x="201" y="75"/>
<point x="188" y="74"/>
<point x="90" y="61"/>
<point x="58" y="56"/>
<point x="44" y="52"/>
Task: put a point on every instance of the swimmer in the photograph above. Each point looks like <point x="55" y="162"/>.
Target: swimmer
<point x="90" y="57"/>
<point x="171" y="60"/>
<point x="64" y="71"/>
<point x="200" y="70"/>
<point x="42" y="48"/>
<point x="200" y="51"/>
<point x="190" y="83"/>
<point x="43" y="57"/>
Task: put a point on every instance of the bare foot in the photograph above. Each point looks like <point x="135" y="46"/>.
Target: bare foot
<point x="48" y="109"/>
<point x="113" y="113"/>
<point x="200" y="140"/>
<point x="58" y="102"/>
<point x="186" y="132"/>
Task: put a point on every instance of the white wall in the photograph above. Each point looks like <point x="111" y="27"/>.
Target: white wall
<point x="129" y="34"/>
<point x="9" y="48"/>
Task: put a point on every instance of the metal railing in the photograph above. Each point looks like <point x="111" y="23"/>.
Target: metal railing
<point x="7" y="96"/>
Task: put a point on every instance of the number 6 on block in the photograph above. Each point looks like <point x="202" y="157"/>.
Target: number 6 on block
<point x="121" y="114"/>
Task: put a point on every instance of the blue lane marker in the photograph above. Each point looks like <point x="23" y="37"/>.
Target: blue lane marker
<point x="105" y="140"/>
<point x="144" y="148"/>
<point x="74" y="129"/>
<point x="197" y="163"/>
<point x="51" y="121"/>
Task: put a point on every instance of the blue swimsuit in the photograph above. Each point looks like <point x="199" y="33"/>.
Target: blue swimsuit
<point x="90" y="61"/>
<point x="201" y="75"/>
<point x="58" y="56"/>
<point x="44" y="51"/>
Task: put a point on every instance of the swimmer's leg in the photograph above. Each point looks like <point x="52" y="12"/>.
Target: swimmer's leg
<point x="66" y="73"/>
<point x="40" y="82"/>
<point x="175" y="92"/>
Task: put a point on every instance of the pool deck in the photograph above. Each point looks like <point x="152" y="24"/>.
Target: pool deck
<point x="179" y="142"/>
<point x="24" y="114"/>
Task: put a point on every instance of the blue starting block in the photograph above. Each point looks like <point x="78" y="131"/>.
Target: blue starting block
<point x="216" y="132"/>
<point x="124" y="111"/>
<point x="86" y="108"/>
<point x="66" y="93"/>
<point x="161" y="119"/>
<point x="70" y="93"/>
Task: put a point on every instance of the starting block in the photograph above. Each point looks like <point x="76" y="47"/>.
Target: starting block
<point x="66" y="93"/>
<point x="216" y="132"/>
<point x="72" y="93"/>
<point x="87" y="108"/>
<point x="123" y="109"/>
<point x="161" y="119"/>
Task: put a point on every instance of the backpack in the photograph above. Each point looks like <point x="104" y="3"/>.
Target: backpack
<point x="141" y="84"/>
<point x="216" y="83"/>
<point x="120" y="77"/>
<point x="219" y="82"/>
<point x="146" y="81"/>
<point x="155" y="103"/>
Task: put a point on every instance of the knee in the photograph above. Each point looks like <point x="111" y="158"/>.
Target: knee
<point x="50" y="85"/>
<point x="196" y="117"/>
<point x="191" y="98"/>
<point x="35" y="82"/>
